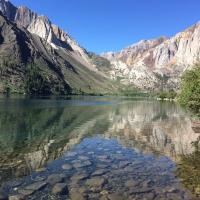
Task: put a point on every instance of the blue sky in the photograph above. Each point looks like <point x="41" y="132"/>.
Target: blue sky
<point x="110" y="25"/>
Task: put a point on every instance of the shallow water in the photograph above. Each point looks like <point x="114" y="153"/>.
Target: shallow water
<point x="100" y="147"/>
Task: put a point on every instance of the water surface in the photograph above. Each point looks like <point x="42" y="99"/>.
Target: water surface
<point x="101" y="147"/>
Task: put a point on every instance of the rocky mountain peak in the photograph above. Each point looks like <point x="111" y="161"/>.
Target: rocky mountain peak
<point x="24" y="16"/>
<point x="131" y="54"/>
<point x="147" y="44"/>
<point x="41" y="26"/>
<point x="145" y="62"/>
<point x="44" y="28"/>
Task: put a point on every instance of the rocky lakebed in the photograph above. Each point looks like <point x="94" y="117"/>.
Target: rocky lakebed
<point x="100" y="169"/>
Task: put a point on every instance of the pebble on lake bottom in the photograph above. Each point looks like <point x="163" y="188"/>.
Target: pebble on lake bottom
<point x="17" y="197"/>
<point x="54" y="178"/>
<point x="60" y="189"/>
<point x="67" y="167"/>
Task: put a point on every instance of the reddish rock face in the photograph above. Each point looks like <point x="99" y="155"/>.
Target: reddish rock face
<point x="136" y="52"/>
<point x="142" y="63"/>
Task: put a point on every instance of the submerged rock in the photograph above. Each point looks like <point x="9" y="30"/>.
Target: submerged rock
<point x="96" y="182"/>
<point x="36" y="186"/>
<point x="30" y="189"/>
<point x="54" y="178"/>
<point x="151" y="196"/>
<point x="60" y="189"/>
<point x="83" y="158"/>
<point x="71" y="154"/>
<point x="77" y="194"/>
<point x="99" y="172"/>
<point x="115" y="196"/>
<point x="67" y="167"/>
<point x="131" y="183"/>
<point x="139" y="190"/>
<point x="79" y="176"/>
<point x="82" y="164"/>
<point x="17" y="197"/>
<point x="26" y="192"/>
<point x="103" y="157"/>
<point x="123" y="164"/>
<point x="15" y="183"/>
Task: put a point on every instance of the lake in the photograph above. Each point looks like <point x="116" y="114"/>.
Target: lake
<point x="93" y="148"/>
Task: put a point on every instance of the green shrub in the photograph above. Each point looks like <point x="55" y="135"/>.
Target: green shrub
<point x="167" y="94"/>
<point x="190" y="89"/>
<point x="7" y="89"/>
<point x="132" y="91"/>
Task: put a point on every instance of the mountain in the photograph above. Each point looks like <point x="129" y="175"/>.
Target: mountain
<point x="154" y="64"/>
<point x="41" y="26"/>
<point x="38" y="57"/>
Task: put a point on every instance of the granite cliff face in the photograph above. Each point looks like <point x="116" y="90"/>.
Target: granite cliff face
<point x="149" y="63"/>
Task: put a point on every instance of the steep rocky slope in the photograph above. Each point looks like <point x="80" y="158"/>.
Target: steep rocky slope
<point x="21" y="54"/>
<point x="41" y="26"/>
<point x="152" y="64"/>
<point x="38" y="57"/>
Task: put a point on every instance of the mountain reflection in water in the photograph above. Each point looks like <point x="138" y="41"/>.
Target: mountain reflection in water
<point x="33" y="133"/>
